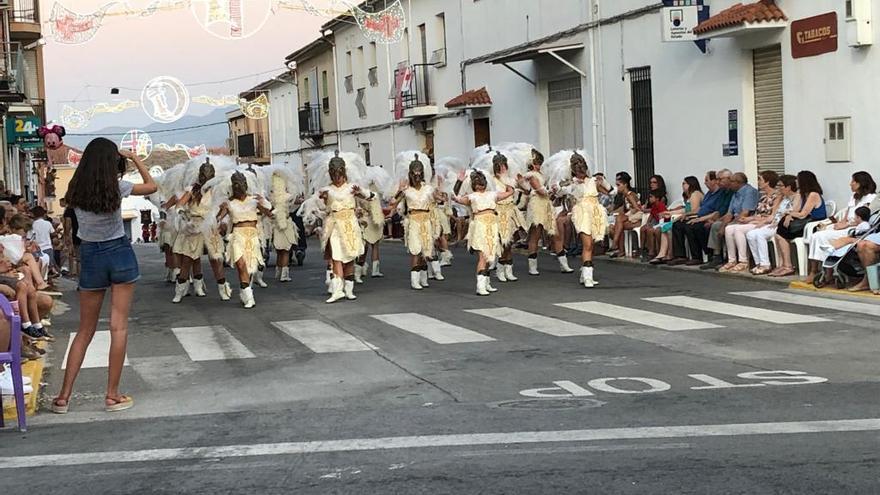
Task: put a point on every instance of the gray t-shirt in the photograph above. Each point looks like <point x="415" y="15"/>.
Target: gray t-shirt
<point x="99" y="227"/>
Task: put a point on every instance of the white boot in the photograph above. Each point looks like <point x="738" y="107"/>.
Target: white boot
<point x="509" y="272"/>
<point x="199" y="286"/>
<point x="430" y="270"/>
<point x="481" y="285"/>
<point x="376" y="272"/>
<point x="348" y="288"/>
<point x="587" y="277"/>
<point x="446" y="258"/>
<point x="337" y="291"/>
<point x="414" y="280"/>
<point x="533" y="266"/>
<point x="501" y="272"/>
<point x="563" y="264"/>
<point x="285" y="274"/>
<point x="489" y="284"/>
<point x="359" y="272"/>
<point x="247" y="298"/>
<point x="423" y="278"/>
<point x="438" y="272"/>
<point x="180" y="291"/>
<point x="258" y="279"/>
<point x="225" y="291"/>
<point x="328" y="282"/>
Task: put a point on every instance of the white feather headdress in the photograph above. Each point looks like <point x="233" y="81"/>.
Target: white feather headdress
<point x="557" y="168"/>
<point x="319" y="170"/>
<point x="448" y="168"/>
<point x="378" y="179"/>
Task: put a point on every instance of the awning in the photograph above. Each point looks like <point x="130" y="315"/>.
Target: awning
<point x="742" y="19"/>
<point x="20" y="109"/>
<point x="531" y="53"/>
<point x="476" y="98"/>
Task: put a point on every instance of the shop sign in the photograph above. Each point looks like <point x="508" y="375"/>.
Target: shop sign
<point x="680" y="20"/>
<point x="814" y="36"/>
<point x="731" y="148"/>
<point x="22" y="131"/>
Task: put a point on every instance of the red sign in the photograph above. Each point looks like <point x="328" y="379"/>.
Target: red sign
<point x="814" y="36"/>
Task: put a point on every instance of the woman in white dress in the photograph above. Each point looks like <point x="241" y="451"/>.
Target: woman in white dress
<point x="510" y="218"/>
<point x="541" y="215"/>
<point x="483" y="236"/>
<point x="588" y="216"/>
<point x="244" y="251"/>
<point x="419" y="226"/>
<point x="864" y="191"/>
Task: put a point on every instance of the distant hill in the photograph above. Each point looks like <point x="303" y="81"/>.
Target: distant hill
<point x="211" y="136"/>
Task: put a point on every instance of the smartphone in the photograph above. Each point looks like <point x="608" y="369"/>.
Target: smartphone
<point x="121" y="165"/>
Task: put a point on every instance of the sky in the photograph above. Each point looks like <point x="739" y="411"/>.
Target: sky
<point x="127" y="52"/>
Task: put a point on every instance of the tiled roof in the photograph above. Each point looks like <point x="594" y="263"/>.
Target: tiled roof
<point x="474" y="97"/>
<point x="761" y="11"/>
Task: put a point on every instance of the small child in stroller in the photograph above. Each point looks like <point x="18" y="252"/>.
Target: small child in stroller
<point x="843" y="264"/>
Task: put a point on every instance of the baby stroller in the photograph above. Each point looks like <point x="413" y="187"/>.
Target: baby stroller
<point x="843" y="265"/>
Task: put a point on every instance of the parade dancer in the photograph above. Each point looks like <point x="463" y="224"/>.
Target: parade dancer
<point x="197" y="234"/>
<point x="285" y="234"/>
<point x="373" y="219"/>
<point x="170" y="186"/>
<point x="446" y="172"/>
<point x="483" y="235"/>
<point x="342" y="238"/>
<point x="541" y="215"/>
<point x="588" y="216"/>
<point x="510" y="218"/>
<point x="244" y="250"/>
<point x="418" y="198"/>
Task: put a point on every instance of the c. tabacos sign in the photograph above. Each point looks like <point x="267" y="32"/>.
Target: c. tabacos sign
<point x="814" y="35"/>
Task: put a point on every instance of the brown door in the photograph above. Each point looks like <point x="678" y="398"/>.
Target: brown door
<point x="481" y="132"/>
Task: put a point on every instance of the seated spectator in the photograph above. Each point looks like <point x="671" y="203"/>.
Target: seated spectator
<point x="650" y="232"/>
<point x="792" y="225"/>
<point x="27" y="297"/>
<point x="651" y="243"/>
<point x="692" y="196"/>
<point x="694" y="231"/>
<point x="606" y="199"/>
<point x="19" y="251"/>
<point x="869" y="254"/>
<point x="736" y="231"/>
<point x="864" y="191"/>
<point x="742" y="205"/>
<point x="765" y="227"/>
<point x="628" y="216"/>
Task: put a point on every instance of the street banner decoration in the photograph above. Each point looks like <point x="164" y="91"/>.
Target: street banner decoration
<point x="165" y="99"/>
<point x="383" y="27"/>
<point x="74" y="157"/>
<point x="255" y="109"/>
<point x="198" y="151"/>
<point x="138" y="142"/>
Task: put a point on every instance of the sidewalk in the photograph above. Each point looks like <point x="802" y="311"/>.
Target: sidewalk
<point x="35" y="368"/>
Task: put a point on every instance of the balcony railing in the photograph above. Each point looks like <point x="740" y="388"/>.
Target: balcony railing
<point x="349" y="84"/>
<point x="412" y="88"/>
<point x="310" y="120"/>
<point x="12" y="70"/>
<point x="26" y="11"/>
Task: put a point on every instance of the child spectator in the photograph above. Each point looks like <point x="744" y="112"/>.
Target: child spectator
<point x="42" y="231"/>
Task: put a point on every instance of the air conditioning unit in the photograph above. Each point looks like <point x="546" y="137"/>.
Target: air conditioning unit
<point x="438" y="58"/>
<point x="859" y="29"/>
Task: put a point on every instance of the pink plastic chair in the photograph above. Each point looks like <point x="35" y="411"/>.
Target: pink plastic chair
<point x="12" y="358"/>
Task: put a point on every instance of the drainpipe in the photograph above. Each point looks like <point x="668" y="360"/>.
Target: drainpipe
<point x="594" y="95"/>
<point x="391" y="84"/>
<point x="335" y="91"/>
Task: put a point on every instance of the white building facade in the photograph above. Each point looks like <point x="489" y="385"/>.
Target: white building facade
<point x="284" y="136"/>
<point x="785" y="86"/>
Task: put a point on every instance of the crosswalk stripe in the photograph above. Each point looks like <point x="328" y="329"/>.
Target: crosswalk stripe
<point x="432" y="329"/>
<point x="98" y="353"/>
<point x="866" y="309"/>
<point x="538" y="323"/>
<point x="321" y="337"/>
<point x="213" y="343"/>
<point x="638" y="316"/>
<point x="739" y="311"/>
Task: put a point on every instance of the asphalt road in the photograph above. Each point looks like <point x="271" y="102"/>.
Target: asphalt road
<point x="644" y="384"/>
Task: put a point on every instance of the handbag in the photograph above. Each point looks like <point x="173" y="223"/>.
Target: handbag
<point x="634" y="216"/>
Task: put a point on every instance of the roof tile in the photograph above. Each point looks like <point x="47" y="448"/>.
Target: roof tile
<point x="761" y="11"/>
<point x="473" y="97"/>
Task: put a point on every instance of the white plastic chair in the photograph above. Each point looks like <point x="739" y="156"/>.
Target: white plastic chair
<point x="802" y="243"/>
<point x="627" y="234"/>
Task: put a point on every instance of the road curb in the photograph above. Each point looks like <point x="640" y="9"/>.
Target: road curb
<point x="786" y="281"/>
<point x="800" y="285"/>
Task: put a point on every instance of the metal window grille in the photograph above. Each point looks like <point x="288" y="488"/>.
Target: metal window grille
<point x="359" y="103"/>
<point x="643" y="127"/>
<point x="373" y="76"/>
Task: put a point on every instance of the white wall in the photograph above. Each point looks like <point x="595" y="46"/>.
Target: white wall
<point x="284" y="122"/>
